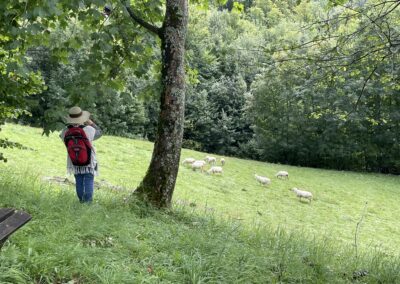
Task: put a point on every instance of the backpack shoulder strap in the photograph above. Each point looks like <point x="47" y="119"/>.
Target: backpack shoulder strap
<point x="72" y="126"/>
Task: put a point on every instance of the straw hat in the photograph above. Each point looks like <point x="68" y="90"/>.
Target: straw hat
<point x="77" y="116"/>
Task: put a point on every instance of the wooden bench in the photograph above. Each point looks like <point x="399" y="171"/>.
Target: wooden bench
<point x="10" y="221"/>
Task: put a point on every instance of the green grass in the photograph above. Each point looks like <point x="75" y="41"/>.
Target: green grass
<point x="233" y="231"/>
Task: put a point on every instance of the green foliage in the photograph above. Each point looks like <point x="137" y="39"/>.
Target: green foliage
<point x="16" y="83"/>
<point x="331" y="103"/>
<point x="79" y="52"/>
<point x="216" y="117"/>
<point x="334" y="3"/>
<point x="271" y="80"/>
<point x="103" y="83"/>
<point x="5" y="143"/>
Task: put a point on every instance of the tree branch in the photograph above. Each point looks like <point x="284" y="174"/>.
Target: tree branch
<point x="364" y="86"/>
<point x="374" y="21"/>
<point x="142" y="22"/>
<point x="389" y="11"/>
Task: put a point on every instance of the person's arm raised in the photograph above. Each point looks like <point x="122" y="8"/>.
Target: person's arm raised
<point x="98" y="133"/>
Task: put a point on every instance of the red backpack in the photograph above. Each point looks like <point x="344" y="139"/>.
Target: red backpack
<point x="78" y="145"/>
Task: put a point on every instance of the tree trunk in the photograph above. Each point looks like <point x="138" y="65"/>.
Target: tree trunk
<point x="158" y="184"/>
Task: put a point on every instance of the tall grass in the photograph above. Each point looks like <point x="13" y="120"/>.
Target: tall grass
<point x="112" y="241"/>
<point x="222" y="229"/>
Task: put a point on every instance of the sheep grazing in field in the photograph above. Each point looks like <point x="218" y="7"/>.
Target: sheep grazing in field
<point x="215" y="170"/>
<point x="198" y="165"/>
<point x="302" y="194"/>
<point x="210" y="160"/>
<point x="222" y="160"/>
<point x="188" y="161"/>
<point x="282" y="174"/>
<point x="262" y="180"/>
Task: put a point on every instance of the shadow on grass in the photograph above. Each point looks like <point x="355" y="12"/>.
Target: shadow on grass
<point x="113" y="241"/>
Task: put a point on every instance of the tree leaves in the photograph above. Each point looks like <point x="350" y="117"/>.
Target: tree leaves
<point x="319" y="107"/>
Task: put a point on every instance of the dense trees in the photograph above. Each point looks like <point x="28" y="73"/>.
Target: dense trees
<point x="313" y="83"/>
<point x="338" y="106"/>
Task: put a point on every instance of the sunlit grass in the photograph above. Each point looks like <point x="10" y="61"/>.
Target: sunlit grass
<point x="223" y="229"/>
<point x="339" y="197"/>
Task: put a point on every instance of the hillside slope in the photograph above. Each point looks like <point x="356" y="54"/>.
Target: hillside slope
<point x="222" y="229"/>
<point x="339" y="197"/>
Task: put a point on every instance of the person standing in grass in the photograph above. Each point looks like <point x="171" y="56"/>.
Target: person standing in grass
<point x="78" y="136"/>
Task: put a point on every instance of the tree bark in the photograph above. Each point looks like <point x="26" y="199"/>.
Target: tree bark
<point x="158" y="184"/>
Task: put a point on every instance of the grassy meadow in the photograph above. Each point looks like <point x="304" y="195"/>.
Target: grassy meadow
<point x="222" y="229"/>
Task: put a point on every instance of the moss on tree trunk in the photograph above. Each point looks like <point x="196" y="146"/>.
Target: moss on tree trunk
<point x="158" y="184"/>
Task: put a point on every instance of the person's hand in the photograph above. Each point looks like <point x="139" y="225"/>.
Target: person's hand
<point x="89" y="122"/>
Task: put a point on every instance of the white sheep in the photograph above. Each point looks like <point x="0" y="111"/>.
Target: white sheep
<point x="188" y="161"/>
<point x="198" y="165"/>
<point x="302" y="194"/>
<point x="210" y="160"/>
<point x="282" y="174"/>
<point x="222" y="160"/>
<point x="262" y="180"/>
<point x="215" y="170"/>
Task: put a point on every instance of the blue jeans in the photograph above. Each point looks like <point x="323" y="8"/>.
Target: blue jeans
<point x="84" y="187"/>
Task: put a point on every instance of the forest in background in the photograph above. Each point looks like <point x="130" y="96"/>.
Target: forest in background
<point x="310" y="83"/>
